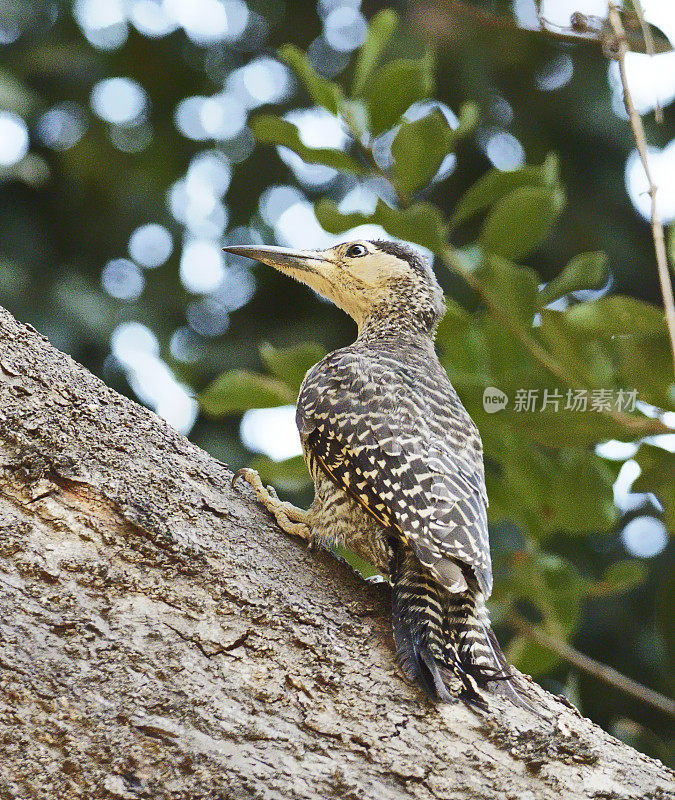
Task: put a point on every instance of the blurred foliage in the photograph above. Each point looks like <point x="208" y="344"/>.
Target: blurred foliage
<point x="526" y="256"/>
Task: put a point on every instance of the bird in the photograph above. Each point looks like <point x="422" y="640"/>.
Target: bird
<point x="397" y="462"/>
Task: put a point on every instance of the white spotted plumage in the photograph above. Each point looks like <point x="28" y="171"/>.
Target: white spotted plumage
<point x="405" y="432"/>
<point x="397" y="462"/>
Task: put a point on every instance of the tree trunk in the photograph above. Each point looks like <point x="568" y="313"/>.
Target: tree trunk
<point x="160" y="637"/>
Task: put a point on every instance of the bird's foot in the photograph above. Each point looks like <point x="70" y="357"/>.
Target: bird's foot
<point x="290" y="518"/>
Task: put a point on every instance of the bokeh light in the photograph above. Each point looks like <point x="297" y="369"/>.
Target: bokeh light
<point x="132" y="337"/>
<point x="263" y="80"/>
<point x="345" y="28"/>
<point x="150" y="18"/>
<point x="209" y="21"/>
<point x="122" y="279"/>
<point x="208" y="317"/>
<point x="120" y="101"/>
<point x="271" y="431"/>
<point x="62" y="126"/>
<point x="316" y="128"/>
<point x="555" y="74"/>
<point x="219" y="117"/>
<point x="645" y="536"/>
<point x="201" y="266"/>
<point x="103" y="22"/>
<point x="150" y="245"/>
<point x="201" y="211"/>
<point x="662" y="167"/>
<point x="276" y="199"/>
<point x="186" y="346"/>
<point x="136" y="349"/>
<point x="236" y="288"/>
<point x="624" y="498"/>
<point x="503" y="149"/>
<point x="14" y="140"/>
<point x="209" y="172"/>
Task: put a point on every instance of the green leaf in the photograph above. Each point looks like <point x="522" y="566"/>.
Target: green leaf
<point x="528" y="473"/>
<point x="323" y="92"/>
<point x="658" y="476"/>
<point x="583" y="358"/>
<point x="591" y="506"/>
<point x="514" y="289"/>
<point x="635" y="39"/>
<point x="290" y="364"/>
<point x="269" y="129"/>
<point x="554" y="585"/>
<point x="530" y="657"/>
<point x="511" y="364"/>
<point x="521" y="220"/>
<point x="239" y="390"/>
<point x="645" y="364"/>
<point x="585" y="271"/>
<point x="355" y="561"/>
<point x="289" y="475"/>
<point x="421" y="222"/>
<point x="461" y="340"/>
<point x="634" y="333"/>
<point x="617" y="315"/>
<point x="420" y="147"/>
<point x="573" y="428"/>
<point x="621" y="576"/>
<point x="333" y="220"/>
<point x="380" y="31"/>
<point x="355" y="115"/>
<point x="496" y="183"/>
<point x="394" y="87"/>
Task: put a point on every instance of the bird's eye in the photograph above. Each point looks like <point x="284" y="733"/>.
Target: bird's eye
<point x="356" y="250"/>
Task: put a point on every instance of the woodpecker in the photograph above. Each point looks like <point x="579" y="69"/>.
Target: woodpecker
<point x="397" y="462"/>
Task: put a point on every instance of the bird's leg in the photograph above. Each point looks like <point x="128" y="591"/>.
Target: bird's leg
<point x="290" y="518"/>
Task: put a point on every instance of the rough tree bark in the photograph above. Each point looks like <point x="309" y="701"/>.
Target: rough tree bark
<point x="160" y="637"/>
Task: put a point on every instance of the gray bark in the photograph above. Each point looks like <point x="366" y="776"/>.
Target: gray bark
<point x="160" y="637"/>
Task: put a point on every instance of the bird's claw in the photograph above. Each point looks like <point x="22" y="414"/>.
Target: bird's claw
<point x="241" y="473"/>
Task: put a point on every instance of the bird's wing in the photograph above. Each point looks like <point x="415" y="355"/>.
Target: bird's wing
<point x="408" y="453"/>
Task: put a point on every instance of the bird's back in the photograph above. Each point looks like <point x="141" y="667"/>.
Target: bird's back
<point x="391" y="408"/>
<point x="398" y="468"/>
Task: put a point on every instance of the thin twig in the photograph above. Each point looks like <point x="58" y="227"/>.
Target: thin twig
<point x="595" y="668"/>
<point x="651" y="51"/>
<point x="641" y="142"/>
<point x="583" y="32"/>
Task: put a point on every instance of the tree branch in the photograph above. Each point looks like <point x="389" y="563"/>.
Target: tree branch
<point x="595" y="668"/>
<point x="641" y="143"/>
<point x="159" y="636"/>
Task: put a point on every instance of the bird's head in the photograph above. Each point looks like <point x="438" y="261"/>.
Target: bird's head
<point x="375" y="282"/>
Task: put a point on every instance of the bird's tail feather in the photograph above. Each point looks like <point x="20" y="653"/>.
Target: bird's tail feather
<point x="444" y="641"/>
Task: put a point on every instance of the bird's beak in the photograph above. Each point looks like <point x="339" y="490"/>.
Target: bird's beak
<point x="282" y="258"/>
